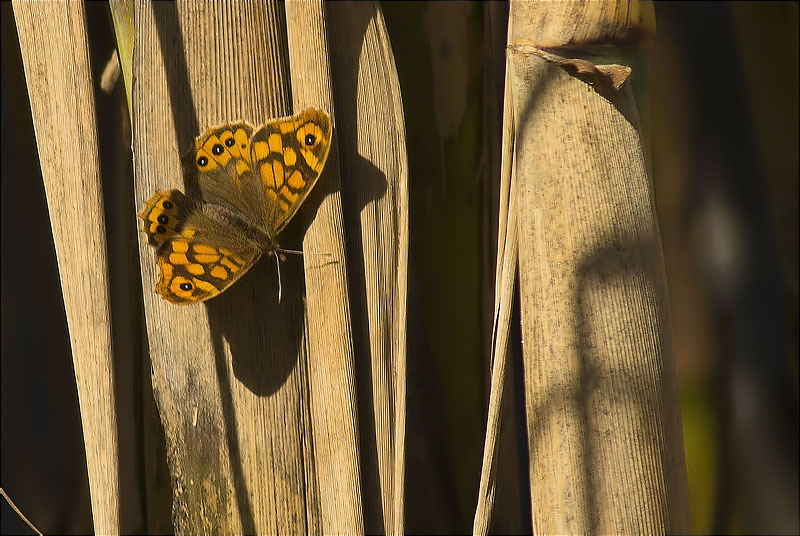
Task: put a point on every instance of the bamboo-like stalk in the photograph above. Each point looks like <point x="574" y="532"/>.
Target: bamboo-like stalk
<point x="358" y="36"/>
<point x="60" y="89"/>
<point x="604" y="434"/>
<point x="258" y="399"/>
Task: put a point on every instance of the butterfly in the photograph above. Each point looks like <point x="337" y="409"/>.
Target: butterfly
<point x="251" y="181"/>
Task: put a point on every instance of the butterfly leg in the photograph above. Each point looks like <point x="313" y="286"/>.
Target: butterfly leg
<point x="278" y="264"/>
<point x="290" y="251"/>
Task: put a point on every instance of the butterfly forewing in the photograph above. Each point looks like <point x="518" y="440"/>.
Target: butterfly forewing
<point x="220" y="165"/>
<point x="288" y="156"/>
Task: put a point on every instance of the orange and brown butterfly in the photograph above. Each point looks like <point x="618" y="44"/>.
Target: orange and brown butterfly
<point x="251" y="182"/>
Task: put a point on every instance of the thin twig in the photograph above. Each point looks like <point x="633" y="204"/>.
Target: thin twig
<point x="14" y="506"/>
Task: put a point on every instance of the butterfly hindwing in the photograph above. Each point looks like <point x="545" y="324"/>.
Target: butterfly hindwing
<point x="198" y="256"/>
<point x="194" y="270"/>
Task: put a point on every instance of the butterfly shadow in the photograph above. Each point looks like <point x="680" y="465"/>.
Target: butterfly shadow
<point x="262" y="333"/>
<point x="263" y="337"/>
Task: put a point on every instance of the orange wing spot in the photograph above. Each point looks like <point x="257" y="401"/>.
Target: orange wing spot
<point x="301" y="135"/>
<point x="284" y="205"/>
<point x="203" y="248"/>
<point x="239" y="147"/>
<point x="229" y="264"/>
<point x="277" y="169"/>
<point x="242" y="142"/>
<point x="211" y="163"/>
<point x="289" y="157"/>
<point x="204" y="285"/>
<point x="221" y="158"/>
<point x="207" y="259"/>
<point x="241" y="167"/>
<point x="287" y="127"/>
<point x="178" y="258"/>
<point x="273" y="194"/>
<point x="310" y="158"/>
<point x="180" y="246"/>
<point x="188" y="233"/>
<point x="195" y="269"/>
<point x="296" y="181"/>
<point x="156" y="212"/>
<point x="224" y="158"/>
<point x="261" y="150"/>
<point x="166" y="268"/>
<point x="268" y="176"/>
<point x="225" y="251"/>
<point x="219" y="272"/>
<point x="288" y="195"/>
<point x="210" y="143"/>
<point x="275" y="143"/>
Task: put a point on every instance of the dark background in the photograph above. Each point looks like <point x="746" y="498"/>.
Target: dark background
<point x="723" y="129"/>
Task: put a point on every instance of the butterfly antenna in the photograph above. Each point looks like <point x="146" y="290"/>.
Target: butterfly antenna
<point x="290" y="251"/>
<point x="278" y="263"/>
<point x="304" y="253"/>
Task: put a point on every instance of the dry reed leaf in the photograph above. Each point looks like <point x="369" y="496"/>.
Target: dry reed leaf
<point x="60" y="89"/>
<point x="110" y="74"/>
<point x="507" y="247"/>
<point x="375" y="199"/>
